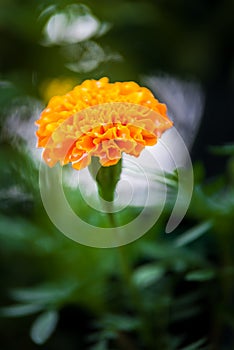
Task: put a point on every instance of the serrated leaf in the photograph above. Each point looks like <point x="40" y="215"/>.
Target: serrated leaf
<point x="20" y="310"/>
<point x="200" y="275"/>
<point x="146" y="275"/>
<point x="193" y="234"/>
<point x="43" y="327"/>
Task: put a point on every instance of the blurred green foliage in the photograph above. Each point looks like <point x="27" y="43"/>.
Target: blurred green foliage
<point x="162" y="291"/>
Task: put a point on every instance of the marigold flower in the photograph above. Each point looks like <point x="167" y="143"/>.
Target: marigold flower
<point x="101" y="119"/>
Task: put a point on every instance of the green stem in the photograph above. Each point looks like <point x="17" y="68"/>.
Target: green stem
<point x="107" y="179"/>
<point x="135" y="296"/>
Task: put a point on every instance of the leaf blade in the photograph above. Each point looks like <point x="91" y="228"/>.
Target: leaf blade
<point x="44" y="326"/>
<point x="193" y="234"/>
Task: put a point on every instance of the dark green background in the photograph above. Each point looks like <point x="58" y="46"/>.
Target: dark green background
<point x="153" y="293"/>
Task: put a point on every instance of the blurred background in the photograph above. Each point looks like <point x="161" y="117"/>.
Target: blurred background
<point x="163" y="291"/>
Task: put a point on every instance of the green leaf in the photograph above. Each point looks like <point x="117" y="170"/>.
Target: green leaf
<point x="186" y="306"/>
<point x="196" y="345"/>
<point x="102" y="345"/>
<point x="186" y="313"/>
<point x="146" y="275"/>
<point x="200" y="275"/>
<point x="43" y="326"/>
<point x="44" y="293"/>
<point x="225" y="150"/>
<point x="118" y="323"/>
<point x="20" y="310"/>
<point x="193" y="234"/>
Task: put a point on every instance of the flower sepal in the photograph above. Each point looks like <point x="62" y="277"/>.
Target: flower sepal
<point x="106" y="177"/>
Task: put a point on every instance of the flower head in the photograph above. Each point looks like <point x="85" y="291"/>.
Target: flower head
<point x="101" y="119"/>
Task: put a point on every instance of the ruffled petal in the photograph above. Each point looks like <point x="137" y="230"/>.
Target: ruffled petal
<point x="101" y="119"/>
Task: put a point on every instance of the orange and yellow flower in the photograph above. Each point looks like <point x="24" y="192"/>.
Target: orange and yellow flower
<point x="101" y="119"/>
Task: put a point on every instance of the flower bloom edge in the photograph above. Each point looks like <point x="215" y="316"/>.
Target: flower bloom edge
<point x="100" y="119"/>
